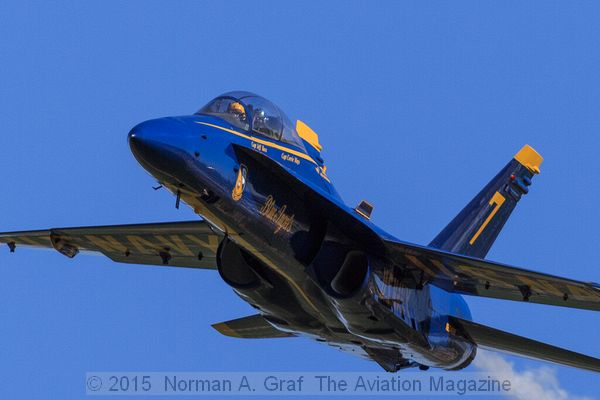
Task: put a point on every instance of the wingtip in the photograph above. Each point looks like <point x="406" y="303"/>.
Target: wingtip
<point x="529" y="158"/>
<point x="224" y="329"/>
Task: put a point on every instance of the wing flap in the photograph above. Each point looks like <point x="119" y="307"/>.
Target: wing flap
<point x="251" y="327"/>
<point x="190" y="244"/>
<point x="496" y="339"/>
<point x="473" y="276"/>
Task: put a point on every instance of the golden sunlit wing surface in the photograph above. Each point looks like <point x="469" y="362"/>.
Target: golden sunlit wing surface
<point x="472" y="276"/>
<point x="179" y="244"/>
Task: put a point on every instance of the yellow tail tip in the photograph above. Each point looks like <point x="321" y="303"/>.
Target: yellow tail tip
<point x="530" y="158"/>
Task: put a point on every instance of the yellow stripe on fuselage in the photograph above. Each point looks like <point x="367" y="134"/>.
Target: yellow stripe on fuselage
<point x="265" y="142"/>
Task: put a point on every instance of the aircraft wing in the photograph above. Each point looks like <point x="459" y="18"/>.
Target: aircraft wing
<point x="190" y="244"/>
<point x="473" y="276"/>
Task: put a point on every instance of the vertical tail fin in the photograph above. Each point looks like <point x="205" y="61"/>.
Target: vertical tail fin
<point x="473" y="231"/>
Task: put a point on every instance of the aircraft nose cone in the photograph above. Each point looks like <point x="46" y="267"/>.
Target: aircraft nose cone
<point x="153" y="145"/>
<point x="143" y="143"/>
<point x="134" y="139"/>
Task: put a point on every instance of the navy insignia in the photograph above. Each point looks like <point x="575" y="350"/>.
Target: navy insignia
<point x="240" y="183"/>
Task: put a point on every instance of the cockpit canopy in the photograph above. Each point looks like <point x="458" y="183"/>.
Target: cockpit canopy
<point x="251" y="112"/>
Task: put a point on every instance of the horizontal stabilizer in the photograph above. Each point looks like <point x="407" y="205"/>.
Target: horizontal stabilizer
<point x="498" y="340"/>
<point x="252" y="327"/>
<point x="180" y="244"/>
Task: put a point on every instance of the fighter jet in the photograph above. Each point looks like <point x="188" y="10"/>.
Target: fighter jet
<point x="276" y="230"/>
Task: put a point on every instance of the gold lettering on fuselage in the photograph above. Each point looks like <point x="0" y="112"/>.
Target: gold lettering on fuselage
<point x="259" y="147"/>
<point x="290" y="158"/>
<point x="277" y="215"/>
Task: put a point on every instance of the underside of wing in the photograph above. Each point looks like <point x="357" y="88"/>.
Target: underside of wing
<point x="251" y="327"/>
<point x="473" y="276"/>
<point x="190" y="244"/>
<point x="498" y="340"/>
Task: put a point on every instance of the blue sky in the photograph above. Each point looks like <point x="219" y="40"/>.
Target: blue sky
<point x="417" y="105"/>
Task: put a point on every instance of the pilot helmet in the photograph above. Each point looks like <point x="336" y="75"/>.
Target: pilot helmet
<point x="237" y="108"/>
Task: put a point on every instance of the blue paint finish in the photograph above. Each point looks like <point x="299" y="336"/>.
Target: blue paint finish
<point x="293" y="217"/>
<point x="511" y="183"/>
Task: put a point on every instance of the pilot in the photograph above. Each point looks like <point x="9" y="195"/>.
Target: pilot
<point x="260" y="119"/>
<point x="236" y="108"/>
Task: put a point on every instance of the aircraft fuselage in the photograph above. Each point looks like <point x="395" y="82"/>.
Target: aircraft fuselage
<point x="309" y="268"/>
